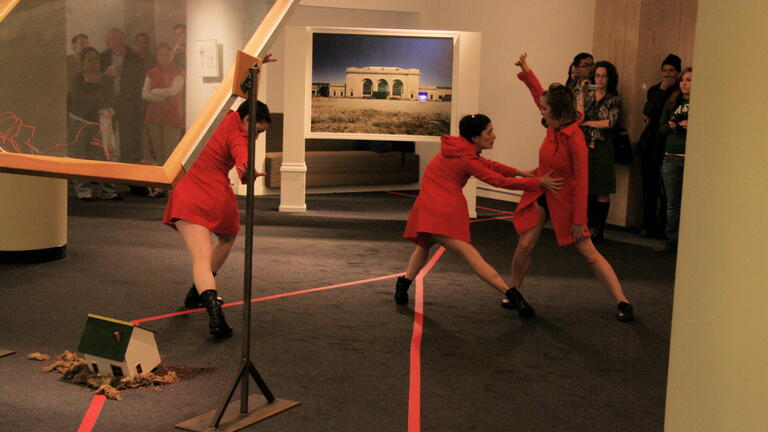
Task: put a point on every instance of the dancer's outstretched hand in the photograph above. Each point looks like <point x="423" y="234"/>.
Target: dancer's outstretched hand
<point x="522" y="62"/>
<point x="554" y="184"/>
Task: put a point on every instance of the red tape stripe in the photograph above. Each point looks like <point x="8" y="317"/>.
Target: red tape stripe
<point x="272" y="297"/>
<point x="414" y="390"/>
<point x="89" y="420"/>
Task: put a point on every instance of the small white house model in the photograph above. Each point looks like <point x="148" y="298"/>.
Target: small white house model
<point x="119" y="348"/>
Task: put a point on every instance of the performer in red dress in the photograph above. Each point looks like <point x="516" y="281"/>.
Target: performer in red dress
<point x="563" y="153"/>
<point x="203" y="203"/>
<point x="440" y="213"/>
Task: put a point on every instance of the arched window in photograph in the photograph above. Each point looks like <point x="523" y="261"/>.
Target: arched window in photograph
<point x="383" y="86"/>
<point x="367" y="87"/>
<point x="397" y="88"/>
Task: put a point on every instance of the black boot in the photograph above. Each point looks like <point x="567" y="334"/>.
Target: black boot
<point x="401" y="290"/>
<point x="601" y="214"/>
<point x="515" y="300"/>
<point x="626" y="312"/>
<point x="192" y="300"/>
<point x="217" y="324"/>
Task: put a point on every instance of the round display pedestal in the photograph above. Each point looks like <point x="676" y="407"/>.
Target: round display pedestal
<point x="33" y="219"/>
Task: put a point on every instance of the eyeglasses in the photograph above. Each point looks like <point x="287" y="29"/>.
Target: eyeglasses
<point x="586" y="65"/>
<point x="601" y="75"/>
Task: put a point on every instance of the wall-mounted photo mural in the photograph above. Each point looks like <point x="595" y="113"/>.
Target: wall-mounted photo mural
<point x="381" y="84"/>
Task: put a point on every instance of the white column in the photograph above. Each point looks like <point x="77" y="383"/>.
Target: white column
<point x="293" y="172"/>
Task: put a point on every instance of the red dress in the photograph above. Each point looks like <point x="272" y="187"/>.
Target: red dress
<point x="441" y="207"/>
<point x="564" y="151"/>
<point x="203" y="196"/>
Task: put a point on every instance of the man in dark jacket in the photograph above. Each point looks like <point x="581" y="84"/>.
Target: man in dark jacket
<point x="652" y="148"/>
<point x="127" y="68"/>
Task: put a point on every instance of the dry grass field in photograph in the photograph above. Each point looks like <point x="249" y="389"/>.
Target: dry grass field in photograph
<point x="375" y="116"/>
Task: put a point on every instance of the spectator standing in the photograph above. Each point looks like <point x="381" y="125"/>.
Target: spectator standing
<point x="90" y="103"/>
<point x="602" y="113"/>
<point x="652" y="148"/>
<point x="126" y="67"/>
<point x="144" y="49"/>
<point x="74" y="65"/>
<point x="163" y="122"/>
<point x="674" y="127"/>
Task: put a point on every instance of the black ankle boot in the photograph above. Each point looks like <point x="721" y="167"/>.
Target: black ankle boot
<point x="626" y="312"/>
<point x="216" y="323"/>
<point x="401" y="290"/>
<point x="192" y="300"/>
<point x="516" y="301"/>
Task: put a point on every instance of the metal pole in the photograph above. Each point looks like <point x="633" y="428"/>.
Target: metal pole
<point x="247" y="280"/>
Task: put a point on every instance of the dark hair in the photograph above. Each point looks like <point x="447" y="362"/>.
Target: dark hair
<point x="85" y="51"/>
<point x="579" y="57"/>
<point x="473" y="125"/>
<point x="262" y="111"/>
<point x="78" y="36"/>
<point x="163" y="45"/>
<point x="676" y="98"/>
<point x="562" y="103"/>
<point x="613" y="76"/>
<point x="673" y="61"/>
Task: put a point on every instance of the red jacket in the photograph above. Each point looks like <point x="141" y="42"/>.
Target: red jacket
<point x="441" y="207"/>
<point x="564" y="151"/>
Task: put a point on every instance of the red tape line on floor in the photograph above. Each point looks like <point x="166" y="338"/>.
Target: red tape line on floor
<point x="89" y="420"/>
<point x="272" y="297"/>
<point x="414" y="387"/>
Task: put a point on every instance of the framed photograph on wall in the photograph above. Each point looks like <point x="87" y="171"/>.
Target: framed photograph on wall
<point x="381" y="84"/>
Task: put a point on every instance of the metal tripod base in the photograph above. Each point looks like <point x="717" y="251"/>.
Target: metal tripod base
<point x="233" y="420"/>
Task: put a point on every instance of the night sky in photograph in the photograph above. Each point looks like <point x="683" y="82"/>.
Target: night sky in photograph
<point x="332" y="53"/>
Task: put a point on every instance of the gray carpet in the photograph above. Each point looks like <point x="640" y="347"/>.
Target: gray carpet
<point x="344" y="352"/>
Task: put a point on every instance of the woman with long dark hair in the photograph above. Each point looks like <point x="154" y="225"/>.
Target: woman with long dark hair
<point x="440" y="213"/>
<point x="564" y="154"/>
<point x="602" y="113"/>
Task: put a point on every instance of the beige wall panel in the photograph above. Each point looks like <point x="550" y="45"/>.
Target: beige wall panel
<point x="718" y="378"/>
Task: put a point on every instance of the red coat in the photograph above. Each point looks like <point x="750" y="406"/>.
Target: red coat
<point x="441" y="207"/>
<point x="203" y="196"/>
<point x="564" y="151"/>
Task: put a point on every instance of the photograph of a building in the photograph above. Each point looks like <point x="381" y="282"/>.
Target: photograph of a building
<point x="374" y="84"/>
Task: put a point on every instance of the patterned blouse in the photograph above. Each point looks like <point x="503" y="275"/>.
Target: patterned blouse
<point x="608" y="108"/>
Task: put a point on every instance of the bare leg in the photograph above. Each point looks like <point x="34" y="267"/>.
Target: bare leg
<point x="221" y="250"/>
<point x="521" y="261"/>
<point x="418" y="259"/>
<point x="198" y="241"/>
<point x="471" y="256"/>
<point x="601" y="268"/>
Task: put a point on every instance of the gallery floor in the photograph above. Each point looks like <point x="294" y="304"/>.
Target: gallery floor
<point x="336" y="342"/>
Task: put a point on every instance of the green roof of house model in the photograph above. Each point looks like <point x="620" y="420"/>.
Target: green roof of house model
<point x="105" y="337"/>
